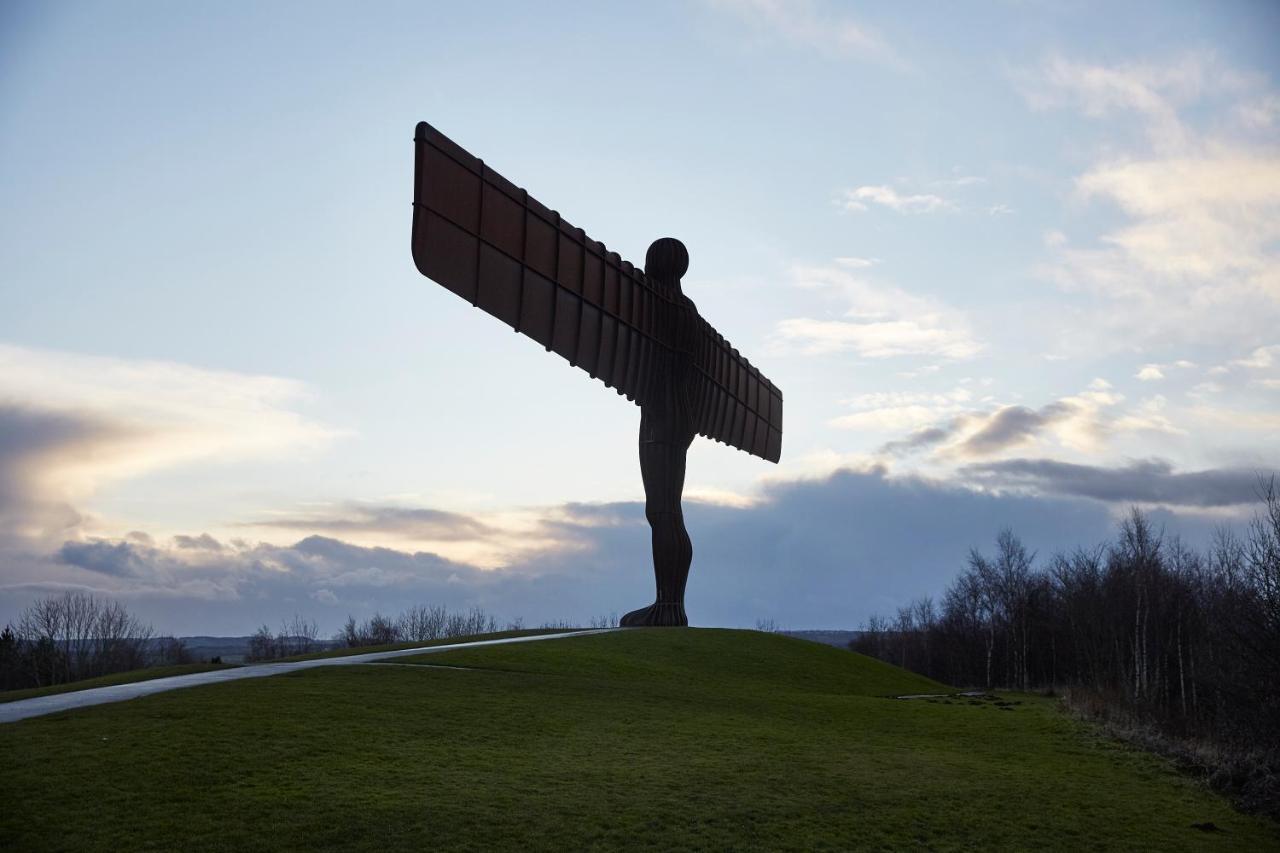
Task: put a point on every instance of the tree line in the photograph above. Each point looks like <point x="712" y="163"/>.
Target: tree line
<point x="1142" y="629"/>
<point x="76" y="635"/>
<point x="416" y="623"/>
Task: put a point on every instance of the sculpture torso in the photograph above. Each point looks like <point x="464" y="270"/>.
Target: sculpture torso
<point x="667" y="414"/>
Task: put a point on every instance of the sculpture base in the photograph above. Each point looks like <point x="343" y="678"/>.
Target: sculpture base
<point x="660" y="614"/>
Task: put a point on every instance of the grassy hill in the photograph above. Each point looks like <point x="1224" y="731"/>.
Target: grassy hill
<point x="643" y="739"/>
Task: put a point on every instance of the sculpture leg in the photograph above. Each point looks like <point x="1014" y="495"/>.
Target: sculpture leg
<point x="662" y="469"/>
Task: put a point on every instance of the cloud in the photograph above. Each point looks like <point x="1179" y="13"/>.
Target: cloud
<point x="203" y="542"/>
<point x="487" y="540"/>
<point x="880" y="321"/>
<point x="1260" y="358"/>
<point x="71" y="423"/>
<point x="1153" y="91"/>
<point x="980" y="434"/>
<point x="857" y="263"/>
<point x="811" y="553"/>
<point x="118" y="559"/>
<point x="819" y="552"/>
<point x="1153" y="372"/>
<point x="1151" y="481"/>
<point x="414" y="522"/>
<point x="807" y="24"/>
<point x="901" y="410"/>
<point x="856" y="200"/>
<point x="1013" y="426"/>
<point x="885" y="339"/>
<point x="40" y="453"/>
<point x="1082" y="423"/>
<point x="1261" y="113"/>
<point x="1197" y="256"/>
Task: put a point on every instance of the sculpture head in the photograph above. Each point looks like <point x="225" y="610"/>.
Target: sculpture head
<point x="667" y="260"/>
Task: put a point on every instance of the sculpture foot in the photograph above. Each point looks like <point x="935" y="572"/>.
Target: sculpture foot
<point x="660" y="614"/>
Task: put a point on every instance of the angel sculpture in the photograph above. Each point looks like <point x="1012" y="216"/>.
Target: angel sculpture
<point x="490" y="242"/>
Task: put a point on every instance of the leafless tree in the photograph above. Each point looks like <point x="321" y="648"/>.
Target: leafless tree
<point x="76" y="635"/>
<point x="297" y="636"/>
<point x="420" y="622"/>
<point x="171" y="650"/>
<point x="1144" y="629"/>
<point x="263" y="645"/>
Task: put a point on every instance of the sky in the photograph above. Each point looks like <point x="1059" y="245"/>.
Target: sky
<point x="1012" y="264"/>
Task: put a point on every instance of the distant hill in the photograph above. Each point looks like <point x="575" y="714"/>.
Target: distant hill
<point x="231" y="649"/>
<point x="839" y="639"/>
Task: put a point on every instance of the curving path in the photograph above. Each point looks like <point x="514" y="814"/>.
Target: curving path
<point x="23" y="708"/>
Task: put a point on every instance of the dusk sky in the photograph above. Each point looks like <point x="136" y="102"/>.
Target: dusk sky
<point x="1011" y="263"/>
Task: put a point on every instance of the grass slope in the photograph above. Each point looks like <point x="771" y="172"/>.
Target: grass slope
<point x="148" y="673"/>
<point x="644" y="739"/>
<point x="108" y="680"/>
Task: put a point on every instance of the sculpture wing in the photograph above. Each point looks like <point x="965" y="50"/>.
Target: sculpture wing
<point x="735" y="403"/>
<point x="494" y="245"/>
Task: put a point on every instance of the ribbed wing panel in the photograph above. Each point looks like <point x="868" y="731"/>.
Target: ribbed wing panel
<point x="736" y="403"/>
<point x="490" y="242"/>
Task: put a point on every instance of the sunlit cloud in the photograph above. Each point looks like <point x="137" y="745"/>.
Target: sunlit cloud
<point x="1197" y="257"/>
<point x="901" y="411"/>
<point x="858" y="199"/>
<point x="1260" y="358"/>
<point x="879" y="321"/>
<point x="1085" y="424"/>
<point x="74" y="423"/>
<point x="485" y="540"/>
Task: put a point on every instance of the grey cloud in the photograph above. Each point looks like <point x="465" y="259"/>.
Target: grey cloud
<point x="1011" y="426"/>
<point x="434" y="524"/>
<point x="26" y="432"/>
<point x="1145" y="481"/>
<point x="810" y="554"/>
<point x="118" y="559"/>
<point x="922" y="438"/>
<point x="1004" y="428"/>
<point x="30" y="440"/>
<point x="203" y="542"/>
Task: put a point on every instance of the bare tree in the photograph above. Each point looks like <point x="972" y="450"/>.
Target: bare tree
<point x="297" y="636"/>
<point x="420" y="622"/>
<point x="263" y="645"/>
<point x="77" y="635"/>
<point x="170" y="650"/>
<point x="610" y="621"/>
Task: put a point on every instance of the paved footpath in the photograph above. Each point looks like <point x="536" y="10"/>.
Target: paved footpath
<point x="24" y="708"/>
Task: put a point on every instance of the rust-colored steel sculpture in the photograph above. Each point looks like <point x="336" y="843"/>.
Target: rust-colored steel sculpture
<point x="490" y="242"/>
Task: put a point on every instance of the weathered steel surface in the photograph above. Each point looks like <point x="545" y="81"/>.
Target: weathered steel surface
<point x="490" y="242"/>
<point x="494" y="245"/>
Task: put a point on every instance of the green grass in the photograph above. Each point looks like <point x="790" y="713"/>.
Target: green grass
<point x="149" y="673"/>
<point x="672" y="739"/>
<point x="109" y="680"/>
